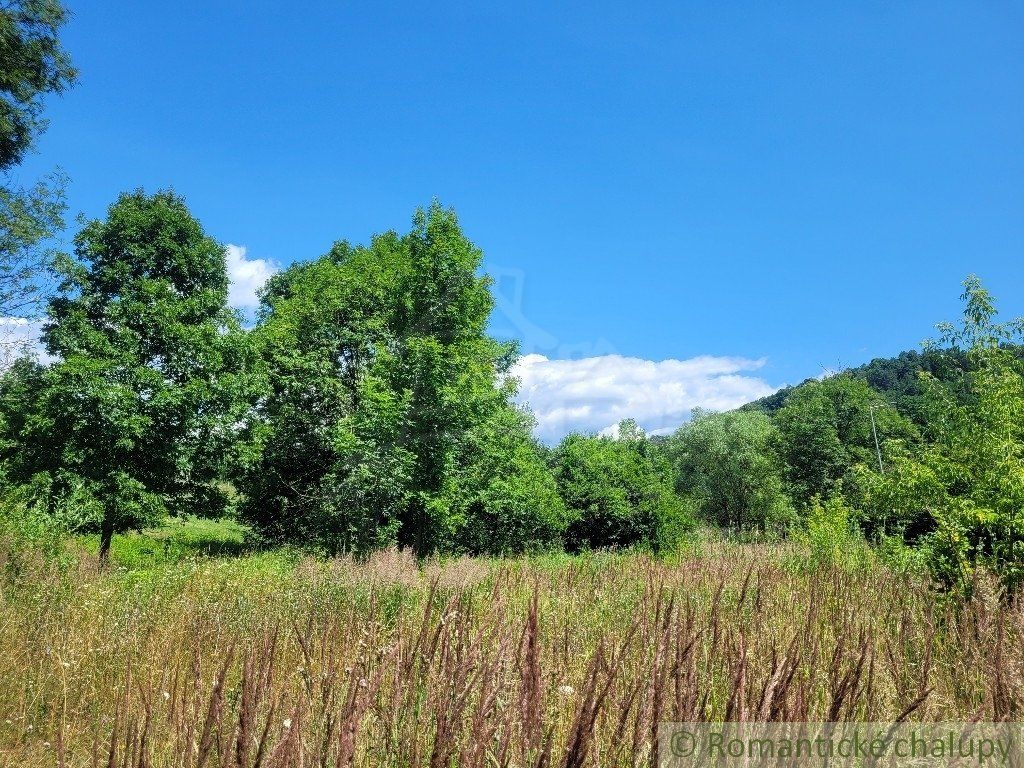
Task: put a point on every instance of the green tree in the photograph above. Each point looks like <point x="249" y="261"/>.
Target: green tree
<point x="32" y="65"/>
<point x="446" y="366"/>
<point x="385" y="419"/>
<point x="726" y="465"/>
<point x="896" y="380"/>
<point x="21" y="386"/>
<point x="968" y="477"/>
<point x="511" y="499"/>
<point x="326" y="464"/>
<point x="138" y="411"/>
<point x="825" y="429"/>
<point x="618" y="493"/>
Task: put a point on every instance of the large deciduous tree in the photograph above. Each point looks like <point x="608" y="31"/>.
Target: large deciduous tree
<point x="384" y="419"/>
<point x="726" y="466"/>
<point x="139" y="408"/>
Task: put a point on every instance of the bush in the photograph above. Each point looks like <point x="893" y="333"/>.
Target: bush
<point x="830" y="533"/>
<point x="901" y="557"/>
<point x="619" y="494"/>
<point x="30" y="541"/>
<point x="513" y="502"/>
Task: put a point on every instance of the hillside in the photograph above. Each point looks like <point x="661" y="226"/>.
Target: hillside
<point x="897" y="379"/>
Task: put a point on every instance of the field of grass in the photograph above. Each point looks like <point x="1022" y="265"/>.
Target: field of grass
<point x="270" y="659"/>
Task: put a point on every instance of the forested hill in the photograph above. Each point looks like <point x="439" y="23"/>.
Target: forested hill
<point x="896" y="378"/>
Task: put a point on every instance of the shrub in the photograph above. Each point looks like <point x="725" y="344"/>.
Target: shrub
<point x="830" y="533"/>
<point x="618" y="493"/>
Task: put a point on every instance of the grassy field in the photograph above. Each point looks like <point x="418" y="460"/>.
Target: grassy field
<point x="176" y="658"/>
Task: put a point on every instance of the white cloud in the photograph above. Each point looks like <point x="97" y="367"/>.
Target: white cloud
<point x="595" y="393"/>
<point x="247" y="276"/>
<point x="19" y="336"/>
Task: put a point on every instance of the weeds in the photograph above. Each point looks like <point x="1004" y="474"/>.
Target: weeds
<point x="564" y="662"/>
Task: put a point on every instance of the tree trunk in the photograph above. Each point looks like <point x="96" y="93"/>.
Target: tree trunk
<point x="106" y="536"/>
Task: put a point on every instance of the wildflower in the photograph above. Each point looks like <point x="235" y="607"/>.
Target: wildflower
<point x="362" y="682"/>
<point x="166" y="695"/>
<point x="287" y="723"/>
<point x="566" y="690"/>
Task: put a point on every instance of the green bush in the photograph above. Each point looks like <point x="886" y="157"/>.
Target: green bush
<point x="619" y="494"/>
<point x="830" y="533"/>
<point x="30" y="540"/>
<point x="901" y="557"/>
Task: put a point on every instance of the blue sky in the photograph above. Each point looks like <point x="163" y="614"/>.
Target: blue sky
<point x="695" y="202"/>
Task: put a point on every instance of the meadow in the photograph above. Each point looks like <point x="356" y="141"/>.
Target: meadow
<point x="186" y="652"/>
<point x="419" y="546"/>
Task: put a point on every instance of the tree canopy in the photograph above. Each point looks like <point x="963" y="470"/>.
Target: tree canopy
<point x="727" y="466"/>
<point x="138" y="409"/>
<point x="618" y="491"/>
<point x="386" y="415"/>
<point x="967" y="479"/>
<point x="33" y="63"/>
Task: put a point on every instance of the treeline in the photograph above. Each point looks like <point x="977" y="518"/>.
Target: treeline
<point x="368" y="407"/>
<point x="925" y="450"/>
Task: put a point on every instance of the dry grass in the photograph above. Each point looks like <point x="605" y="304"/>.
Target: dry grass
<point x="551" y="662"/>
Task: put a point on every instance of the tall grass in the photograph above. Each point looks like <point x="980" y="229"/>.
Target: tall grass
<point x="265" y="661"/>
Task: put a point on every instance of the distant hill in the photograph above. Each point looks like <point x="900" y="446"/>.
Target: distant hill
<point x="895" y="378"/>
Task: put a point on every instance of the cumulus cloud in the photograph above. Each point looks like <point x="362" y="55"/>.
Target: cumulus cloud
<point x="595" y="393"/>
<point x="19" y="336"/>
<point x="247" y="276"/>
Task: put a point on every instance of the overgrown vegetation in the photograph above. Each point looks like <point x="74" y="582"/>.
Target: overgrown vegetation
<point x="278" y="661"/>
<point x="331" y="538"/>
<point x="369" y="409"/>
